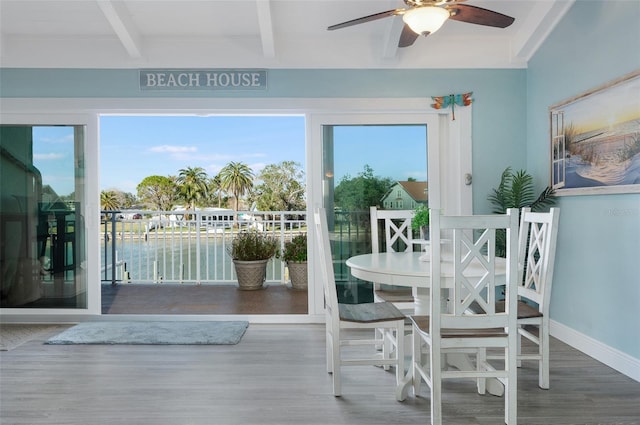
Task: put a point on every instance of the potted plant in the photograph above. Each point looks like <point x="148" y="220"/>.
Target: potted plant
<point x="420" y="221"/>
<point x="294" y="254"/>
<point x="516" y="190"/>
<point x="250" y="251"/>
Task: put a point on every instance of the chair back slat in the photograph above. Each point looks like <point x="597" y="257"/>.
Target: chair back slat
<point x="398" y="235"/>
<point x="473" y="247"/>
<point x="537" y="248"/>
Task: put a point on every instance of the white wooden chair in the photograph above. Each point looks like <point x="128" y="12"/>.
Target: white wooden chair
<point x="341" y="317"/>
<point x="536" y="258"/>
<point x="456" y="328"/>
<point x="397" y="237"/>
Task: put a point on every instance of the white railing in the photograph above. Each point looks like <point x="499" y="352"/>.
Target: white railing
<point x="186" y="246"/>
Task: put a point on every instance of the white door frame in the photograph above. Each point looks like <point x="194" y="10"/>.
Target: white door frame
<point x="90" y="207"/>
<point x="449" y="170"/>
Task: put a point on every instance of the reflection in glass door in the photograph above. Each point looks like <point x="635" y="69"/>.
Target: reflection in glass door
<point x="42" y="229"/>
<point x="363" y="166"/>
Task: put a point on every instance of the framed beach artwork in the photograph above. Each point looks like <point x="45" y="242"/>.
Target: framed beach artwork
<point x="595" y="140"/>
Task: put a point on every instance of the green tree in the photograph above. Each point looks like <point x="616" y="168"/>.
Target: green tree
<point x="237" y="179"/>
<point x="361" y="192"/>
<point x="129" y="200"/>
<point x="158" y="192"/>
<point x="281" y="188"/>
<point x="192" y="185"/>
<point x="122" y="199"/>
<point x="70" y="197"/>
<point x="109" y="200"/>
<point x="215" y="190"/>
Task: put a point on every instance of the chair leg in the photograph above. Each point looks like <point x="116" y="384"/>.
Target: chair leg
<point x="543" y="350"/>
<point x="399" y="338"/>
<point x="335" y="359"/>
<point x="511" y="388"/>
<point x="329" y="351"/>
<point x="387" y="346"/>
<point x="416" y="359"/>
<point x="436" y="386"/>
<point x="481" y="358"/>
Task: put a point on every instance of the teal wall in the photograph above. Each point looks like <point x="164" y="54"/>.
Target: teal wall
<point x="499" y="120"/>
<point x="596" y="288"/>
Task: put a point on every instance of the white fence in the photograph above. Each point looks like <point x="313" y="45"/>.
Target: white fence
<point x="186" y="246"/>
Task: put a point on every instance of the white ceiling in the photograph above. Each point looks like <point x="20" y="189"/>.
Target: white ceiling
<point x="258" y="34"/>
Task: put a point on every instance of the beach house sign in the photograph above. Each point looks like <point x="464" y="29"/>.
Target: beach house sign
<point x="203" y="79"/>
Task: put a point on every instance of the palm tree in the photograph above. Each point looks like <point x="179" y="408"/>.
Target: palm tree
<point x="192" y="185"/>
<point x="109" y="200"/>
<point x="215" y="188"/>
<point x="237" y="178"/>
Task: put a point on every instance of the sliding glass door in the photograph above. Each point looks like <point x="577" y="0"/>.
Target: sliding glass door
<point x="361" y="159"/>
<point x="369" y="165"/>
<point x="42" y="222"/>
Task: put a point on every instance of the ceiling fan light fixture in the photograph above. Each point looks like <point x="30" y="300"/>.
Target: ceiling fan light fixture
<point x="426" y="19"/>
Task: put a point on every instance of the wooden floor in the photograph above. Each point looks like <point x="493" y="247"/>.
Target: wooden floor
<point x="276" y="375"/>
<point x="201" y="299"/>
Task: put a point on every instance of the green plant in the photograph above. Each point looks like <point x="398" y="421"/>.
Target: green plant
<point x="516" y="190"/>
<point x="420" y="217"/>
<point x="294" y="250"/>
<point x="251" y="245"/>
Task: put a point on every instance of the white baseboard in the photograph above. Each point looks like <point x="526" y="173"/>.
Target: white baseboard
<point x="613" y="358"/>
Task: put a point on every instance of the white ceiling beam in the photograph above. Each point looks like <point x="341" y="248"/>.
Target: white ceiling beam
<point x="394" y="25"/>
<point x="120" y="20"/>
<point x="391" y="38"/>
<point x="266" y="28"/>
<point x="542" y="19"/>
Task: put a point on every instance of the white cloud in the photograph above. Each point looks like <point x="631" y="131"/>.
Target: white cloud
<point x="48" y="156"/>
<point x="173" y="149"/>
<point x="63" y="139"/>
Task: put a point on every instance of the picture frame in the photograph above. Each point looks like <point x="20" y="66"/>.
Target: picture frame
<point x="595" y="140"/>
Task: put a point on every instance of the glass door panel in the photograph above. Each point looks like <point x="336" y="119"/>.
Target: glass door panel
<point x="364" y="166"/>
<point x="42" y="228"/>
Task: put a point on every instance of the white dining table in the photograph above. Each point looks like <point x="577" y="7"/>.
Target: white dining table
<point x="412" y="269"/>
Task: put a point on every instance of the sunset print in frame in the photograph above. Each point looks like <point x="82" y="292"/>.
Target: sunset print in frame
<point x="595" y="140"/>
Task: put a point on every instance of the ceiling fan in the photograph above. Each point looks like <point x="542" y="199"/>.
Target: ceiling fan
<point x="424" y="17"/>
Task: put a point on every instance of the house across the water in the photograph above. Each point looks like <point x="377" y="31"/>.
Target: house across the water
<point x="406" y="195"/>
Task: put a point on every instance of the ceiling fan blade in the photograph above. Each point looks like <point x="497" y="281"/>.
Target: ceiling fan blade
<point x="364" y="19"/>
<point x="480" y="16"/>
<point x="407" y="37"/>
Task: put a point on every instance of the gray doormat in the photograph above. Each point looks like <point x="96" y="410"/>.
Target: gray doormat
<point x="153" y="333"/>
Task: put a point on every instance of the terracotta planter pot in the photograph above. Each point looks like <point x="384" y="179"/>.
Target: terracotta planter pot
<point x="298" y="274"/>
<point x="251" y="274"/>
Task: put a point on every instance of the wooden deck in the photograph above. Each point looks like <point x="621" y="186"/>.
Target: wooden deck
<point x="276" y="375"/>
<point x="201" y="299"/>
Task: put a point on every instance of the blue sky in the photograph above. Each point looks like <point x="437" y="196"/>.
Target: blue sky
<point x="53" y="156"/>
<point x="134" y="147"/>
